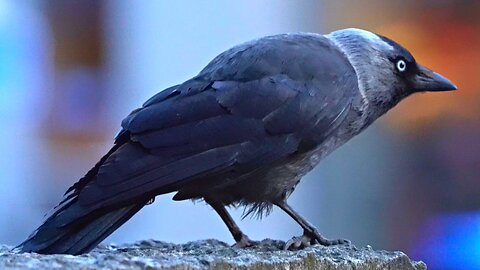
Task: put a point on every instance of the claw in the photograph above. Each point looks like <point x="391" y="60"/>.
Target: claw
<point x="299" y="242"/>
<point x="324" y="241"/>
<point x="245" y="242"/>
<point x="308" y="239"/>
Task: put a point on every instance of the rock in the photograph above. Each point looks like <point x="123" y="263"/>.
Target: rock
<point x="212" y="254"/>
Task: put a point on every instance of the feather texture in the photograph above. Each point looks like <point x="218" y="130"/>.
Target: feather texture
<point x="221" y="135"/>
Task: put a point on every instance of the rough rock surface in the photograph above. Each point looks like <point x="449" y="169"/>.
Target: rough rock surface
<point x="212" y="254"/>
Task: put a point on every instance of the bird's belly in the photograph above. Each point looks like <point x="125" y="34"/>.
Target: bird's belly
<point x="278" y="181"/>
<point x="266" y="184"/>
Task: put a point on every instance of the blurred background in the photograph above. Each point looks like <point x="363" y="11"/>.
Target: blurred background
<point x="71" y="70"/>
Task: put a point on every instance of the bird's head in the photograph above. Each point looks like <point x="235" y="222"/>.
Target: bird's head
<point x="386" y="71"/>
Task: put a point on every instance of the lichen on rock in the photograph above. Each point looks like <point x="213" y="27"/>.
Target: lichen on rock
<point x="212" y="254"/>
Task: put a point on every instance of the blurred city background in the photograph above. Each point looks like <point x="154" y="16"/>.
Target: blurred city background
<point x="71" y="70"/>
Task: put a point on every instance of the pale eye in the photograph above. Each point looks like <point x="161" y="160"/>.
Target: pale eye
<point x="401" y="65"/>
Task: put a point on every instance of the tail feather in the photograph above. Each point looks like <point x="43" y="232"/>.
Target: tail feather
<point x="78" y="237"/>
<point x="101" y="228"/>
<point x="72" y="229"/>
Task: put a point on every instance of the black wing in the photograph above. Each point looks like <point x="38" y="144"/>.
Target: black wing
<point x="251" y="107"/>
<point x="222" y="121"/>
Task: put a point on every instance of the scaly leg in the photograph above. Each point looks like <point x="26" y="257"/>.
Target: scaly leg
<point x="241" y="239"/>
<point x="310" y="233"/>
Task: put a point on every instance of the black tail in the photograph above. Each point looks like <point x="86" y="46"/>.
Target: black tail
<point x="77" y="237"/>
<point x="70" y="230"/>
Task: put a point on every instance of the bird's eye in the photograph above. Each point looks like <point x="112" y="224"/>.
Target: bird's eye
<point x="401" y="65"/>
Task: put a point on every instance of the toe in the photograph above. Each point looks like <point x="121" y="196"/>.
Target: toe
<point x="293" y="243"/>
<point x="343" y="242"/>
<point x="298" y="242"/>
<point x="245" y="242"/>
<point x="327" y="242"/>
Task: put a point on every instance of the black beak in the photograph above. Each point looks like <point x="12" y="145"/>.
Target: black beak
<point x="427" y="80"/>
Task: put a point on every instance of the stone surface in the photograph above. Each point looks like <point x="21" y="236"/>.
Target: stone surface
<point x="212" y="254"/>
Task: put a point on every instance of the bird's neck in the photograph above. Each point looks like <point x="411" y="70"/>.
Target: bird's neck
<point x="375" y="96"/>
<point x="373" y="103"/>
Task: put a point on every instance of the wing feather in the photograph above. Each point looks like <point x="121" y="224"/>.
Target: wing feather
<point x="215" y="125"/>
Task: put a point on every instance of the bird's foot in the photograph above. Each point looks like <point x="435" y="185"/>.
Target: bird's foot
<point x="308" y="239"/>
<point x="245" y="242"/>
<point x="299" y="242"/>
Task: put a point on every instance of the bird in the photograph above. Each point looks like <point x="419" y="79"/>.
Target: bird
<point x="241" y="133"/>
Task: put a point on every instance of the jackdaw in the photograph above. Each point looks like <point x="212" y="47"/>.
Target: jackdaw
<point x="243" y="132"/>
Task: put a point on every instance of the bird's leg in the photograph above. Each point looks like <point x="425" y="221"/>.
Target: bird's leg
<point x="241" y="239"/>
<point x="310" y="233"/>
